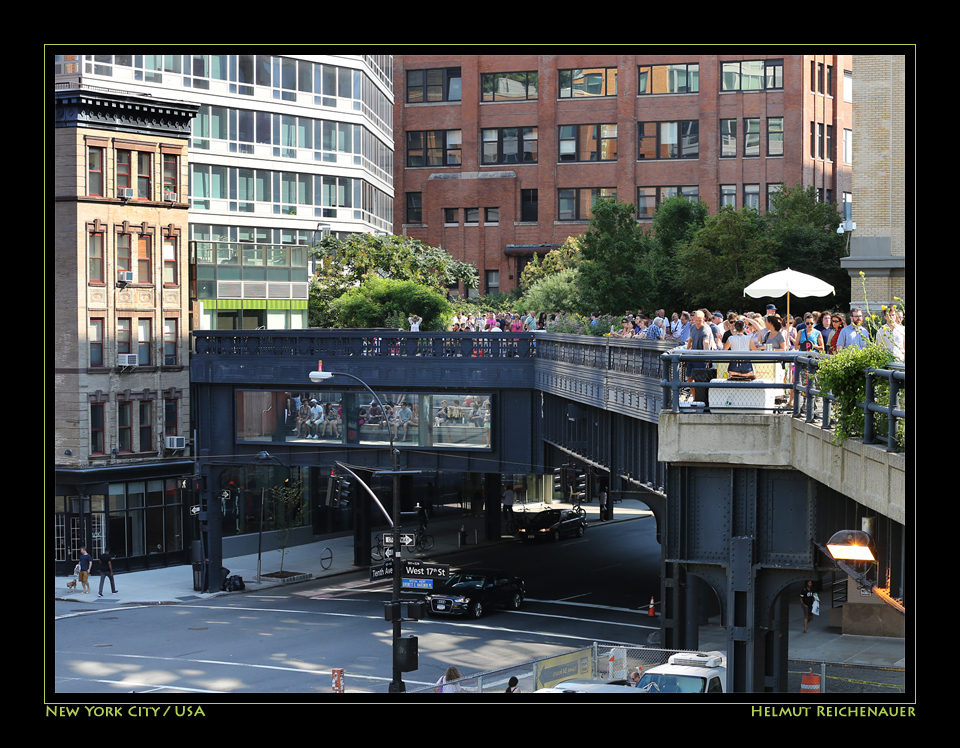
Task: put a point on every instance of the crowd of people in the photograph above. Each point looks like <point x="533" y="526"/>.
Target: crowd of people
<point x="826" y="331"/>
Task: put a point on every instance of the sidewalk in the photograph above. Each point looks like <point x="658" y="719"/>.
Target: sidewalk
<point x="174" y="585"/>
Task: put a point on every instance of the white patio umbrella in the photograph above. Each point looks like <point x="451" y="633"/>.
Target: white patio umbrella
<point x="788" y="282"/>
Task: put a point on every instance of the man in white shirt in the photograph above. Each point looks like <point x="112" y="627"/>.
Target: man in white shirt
<point x="892" y="335"/>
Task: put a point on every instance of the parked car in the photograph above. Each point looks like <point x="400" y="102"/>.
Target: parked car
<point x="592" y="685"/>
<point x="472" y="593"/>
<point x="552" y="524"/>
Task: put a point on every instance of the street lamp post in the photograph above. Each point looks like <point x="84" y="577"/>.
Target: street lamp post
<point x="396" y="685"/>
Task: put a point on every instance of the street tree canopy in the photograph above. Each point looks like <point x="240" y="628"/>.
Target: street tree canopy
<point x="350" y="262"/>
<point x="347" y="262"/>
<point x="611" y="275"/>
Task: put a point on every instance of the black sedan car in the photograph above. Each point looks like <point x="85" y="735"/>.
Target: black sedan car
<point x="472" y="593"/>
<point x="552" y="524"/>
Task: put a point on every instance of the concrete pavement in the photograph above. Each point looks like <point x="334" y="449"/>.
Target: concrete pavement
<point x="174" y="585"/>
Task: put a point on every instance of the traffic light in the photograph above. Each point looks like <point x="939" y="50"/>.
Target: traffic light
<point x="333" y="487"/>
<point x="343" y="493"/>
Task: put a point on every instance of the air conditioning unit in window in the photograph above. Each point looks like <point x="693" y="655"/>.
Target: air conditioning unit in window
<point x="175" y="442"/>
<point x="125" y="193"/>
<point x="124" y="276"/>
<point x="170" y="197"/>
<point x="127" y="359"/>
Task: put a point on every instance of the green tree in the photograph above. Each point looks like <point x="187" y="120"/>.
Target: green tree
<point x="564" y="257"/>
<point x="557" y="292"/>
<point x="612" y="277"/>
<point x="804" y="233"/>
<point x="675" y="222"/>
<point x="724" y="257"/>
<point x="348" y="262"/>
<point x="384" y="302"/>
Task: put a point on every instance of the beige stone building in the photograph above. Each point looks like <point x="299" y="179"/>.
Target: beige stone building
<point x="120" y="327"/>
<point x="878" y="148"/>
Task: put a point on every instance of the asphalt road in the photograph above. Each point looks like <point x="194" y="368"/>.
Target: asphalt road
<point x="595" y="588"/>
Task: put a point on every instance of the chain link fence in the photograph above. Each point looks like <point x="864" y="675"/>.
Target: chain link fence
<point x="615" y="663"/>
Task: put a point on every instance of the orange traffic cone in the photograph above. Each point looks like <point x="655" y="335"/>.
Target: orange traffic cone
<point x="650" y="609"/>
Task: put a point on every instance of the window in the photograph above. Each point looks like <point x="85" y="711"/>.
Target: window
<point x="491" y="215"/>
<point x="816" y="140"/>
<point x="170" y="274"/>
<point x="146" y="426"/>
<point x="528" y="205"/>
<point x="751" y="137"/>
<point x="848" y="86"/>
<point x="751" y="196"/>
<point x="508" y="86"/>
<point x="170" y="173"/>
<point x="668" y="139"/>
<point x="669" y="79"/>
<point x="775" y="136"/>
<point x="170" y="342"/>
<point x="95" y="341"/>
<point x="451" y="216"/>
<point x="97" y="440"/>
<point x="123" y="335"/>
<point x="171" y="424"/>
<point x="144" y="341"/>
<point x="492" y="278"/>
<point x="650" y="198"/>
<point x="144" y="259"/>
<point x="124" y="256"/>
<point x="124" y="178"/>
<point x="816" y="76"/>
<point x="509" y="145"/>
<point x="95" y="258"/>
<point x="434" y="148"/>
<point x="588" y="143"/>
<point x="440" y="84"/>
<point x="143" y="176"/>
<point x="471" y="215"/>
<point x="414" y="207"/>
<point x="588" y="82"/>
<point x="728" y="138"/>
<point x="772" y="190"/>
<point x="751" y="75"/>
<point x="646" y="202"/>
<point x="728" y="195"/>
<point x="125" y="427"/>
<point x="95" y="172"/>
<point x="577" y="204"/>
<point x="829" y="144"/>
<point x="847" y="146"/>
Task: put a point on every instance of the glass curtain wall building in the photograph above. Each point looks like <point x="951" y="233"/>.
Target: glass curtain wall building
<point x="283" y="149"/>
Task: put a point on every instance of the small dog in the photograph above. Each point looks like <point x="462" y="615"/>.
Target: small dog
<point x="72" y="584"/>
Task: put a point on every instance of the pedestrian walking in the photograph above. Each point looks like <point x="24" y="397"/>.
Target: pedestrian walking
<point x="106" y="570"/>
<point x="809" y="601"/>
<point x="447" y="682"/>
<point x="603" y="504"/>
<point x="86" y="561"/>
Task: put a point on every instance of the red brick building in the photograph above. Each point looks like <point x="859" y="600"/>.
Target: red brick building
<point x="499" y="157"/>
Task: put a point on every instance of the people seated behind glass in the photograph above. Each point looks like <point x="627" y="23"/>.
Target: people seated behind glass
<point x="403" y="421"/>
<point x="315" y="423"/>
<point x="331" y="421"/>
<point x="443" y="414"/>
<point x="303" y="420"/>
